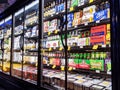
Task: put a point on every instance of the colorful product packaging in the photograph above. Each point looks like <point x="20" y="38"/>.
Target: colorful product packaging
<point x="101" y="15"/>
<point x="71" y="63"/>
<point x="56" y="61"/>
<point x="84" y="64"/>
<point x="74" y="3"/>
<point x="45" y="60"/>
<point x="108" y="36"/>
<point x="76" y="22"/>
<point x="98" y="30"/>
<point x="89" y="10"/>
<point x="97" y="65"/>
<point x="99" y="40"/>
<point x="78" y="15"/>
<point x="76" y="61"/>
<point x="83" y="41"/>
<point x="46" y="26"/>
<point x="108" y="65"/>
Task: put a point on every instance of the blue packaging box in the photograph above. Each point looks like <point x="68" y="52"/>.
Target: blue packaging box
<point x="70" y="17"/>
<point x="101" y="15"/>
<point x="61" y="7"/>
<point x="69" y="24"/>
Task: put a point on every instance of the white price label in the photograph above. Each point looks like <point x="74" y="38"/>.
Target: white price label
<point x="54" y="47"/>
<point x="51" y="15"/>
<point x="81" y="46"/>
<point x="47" y="64"/>
<point x="57" y="13"/>
<point x="97" y="71"/>
<point x="103" y="45"/>
<point x="109" y="45"/>
<point x="86" y="24"/>
<point x="98" y="21"/>
<point x="75" y="26"/>
<point x="109" y="72"/>
<point x="74" y="68"/>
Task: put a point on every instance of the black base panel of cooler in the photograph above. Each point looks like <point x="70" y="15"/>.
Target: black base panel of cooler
<point x="12" y="83"/>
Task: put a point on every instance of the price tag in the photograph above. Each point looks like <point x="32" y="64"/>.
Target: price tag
<point x="57" y="13"/>
<point x="69" y="48"/>
<point x="108" y="72"/>
<point x="49" y="33"/>
<point x="50" y="49"/>
<point x="62" y="68"/>
<point x="54" y="47"/>
<point x="103" y="45"/>
<point x="97" y="71"/>
<point x="56" y="31"/>
<point x="71" y="9"/>
<point x="86" y="24"/>
<point x="81" y="46"/>
<point x="70" y="69"/>
<point x="51" y="15"/>
<point x="74" y="68"/>
<point x="95" y="47"/>
<point x="47" y="64"/>
<point x="90" y="1"/>
<point x="54" y="66"/>
<point x="109" y="45"/>
<point x="98" y="21"/>
<point x="63" y="11"/>
<point x="61" y="48"/>
<point x="75" y="26"/>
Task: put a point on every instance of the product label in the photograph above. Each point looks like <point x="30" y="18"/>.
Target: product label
<point x="84" y="64"/>
<point x="74" y="3"/>
<point x="98" y="30"/>
<point x="97" y="65"/>
<point x="101" y="15"/>
<point x="71" y="63"/>
<point x="99" y="40"/>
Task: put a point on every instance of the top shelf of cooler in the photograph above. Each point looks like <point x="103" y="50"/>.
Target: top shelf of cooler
<point x="75" y="9"/>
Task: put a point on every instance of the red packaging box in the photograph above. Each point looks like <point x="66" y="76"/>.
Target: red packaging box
<point x="99" y="40"/>
<point x="71" y="63"/>
<point x="56" y="62"/>
<point x="98" y="30"/>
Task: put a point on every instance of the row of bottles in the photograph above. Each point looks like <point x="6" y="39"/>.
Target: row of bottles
<point x="92" y="55"/>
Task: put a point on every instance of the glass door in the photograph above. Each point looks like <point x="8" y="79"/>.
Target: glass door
<point x="53" y="52"/>
<point x="88" y="41"/>
<point x="78" y="40"/>
<point x="18" y="44"/>
<point x="1" y="44"/>
<point x="30" y="60"/>
<point x="7" y="44"/>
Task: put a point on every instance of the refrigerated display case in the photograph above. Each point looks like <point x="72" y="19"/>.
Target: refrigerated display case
<point x="30" y="56"/>
<point x="65" y="47"/>
<point x="18" y="44"/>
<point x="1" y="48"/>
<point x="81" y="48"/>
<point x="7" y="44"/>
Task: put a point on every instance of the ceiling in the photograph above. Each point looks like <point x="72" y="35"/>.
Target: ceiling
<point x="4" y="4"/>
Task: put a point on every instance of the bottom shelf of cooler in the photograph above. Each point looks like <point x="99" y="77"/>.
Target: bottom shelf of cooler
<point x="29" y="73"/>
<point x="56" y="79"/>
